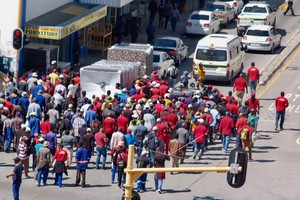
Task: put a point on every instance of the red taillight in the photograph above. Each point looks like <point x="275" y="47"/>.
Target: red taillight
<point x="228" y="67"/>
<point x="206" y="25"/>
<point x="173" y="53"/>
<point x="238" y="20"/>
<point x="235" y="4"/>
<point x="269" y="39"/>
<point x="188" y="24"/>
<point x="245" y="37"/>
<point x="265" y="20"/>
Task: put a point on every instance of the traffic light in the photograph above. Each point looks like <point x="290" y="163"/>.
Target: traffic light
<point x="18" y="39"/>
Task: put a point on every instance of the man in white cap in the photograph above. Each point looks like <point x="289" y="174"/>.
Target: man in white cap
<point x="34" y="107"/>
<point x="142" y="162"/>
<point x="32" y="79"/>
<point x="61" y="87"/>
<point x="200" y="133"/>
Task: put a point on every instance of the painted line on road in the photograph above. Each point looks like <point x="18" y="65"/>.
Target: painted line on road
<point x="279" y="74"/>
<point x="298" y="141"/>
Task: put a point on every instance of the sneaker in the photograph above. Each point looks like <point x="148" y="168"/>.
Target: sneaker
<point x="112" y="182"/>
<point x="38" y="184"/>
<point x="276" y="127"/>
<point x="281" y="128"/>
<point x="194" y="157"/>
<point x="141" y="191"/>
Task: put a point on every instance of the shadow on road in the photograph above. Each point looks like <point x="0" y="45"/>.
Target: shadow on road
<point x="266" y="147"/>
<point x="165" y="191"/>
<point x="264" y="161"/>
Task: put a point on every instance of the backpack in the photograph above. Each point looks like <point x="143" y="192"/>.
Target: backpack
<point x="115" y="156"/>
<point x="244" y="134"/>
<point x="121" y="163"/>
<point x="141" y="163"/>
<point x="174" y="73"/>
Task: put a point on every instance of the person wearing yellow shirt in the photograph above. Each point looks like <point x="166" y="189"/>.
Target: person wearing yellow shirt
<point x="201" y="74"/>
<point x="53" y="77"/>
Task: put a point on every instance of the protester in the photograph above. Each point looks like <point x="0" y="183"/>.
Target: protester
<point x="159" y="162"/>
<point x="16" y="177"/>
<point x="82" y="159"/>
<point x="59" y="168"/>
<point x="43" y="164"/>
<point x="142" y="162"/>
<point x="281" y="104"/>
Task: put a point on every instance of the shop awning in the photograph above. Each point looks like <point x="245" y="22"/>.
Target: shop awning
<point x="64" y="21"/>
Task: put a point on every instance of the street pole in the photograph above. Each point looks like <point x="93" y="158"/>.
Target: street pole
<point x="16" y="70"/>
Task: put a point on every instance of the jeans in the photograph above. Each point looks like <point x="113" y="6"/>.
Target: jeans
<point x="238" y="142"/>
<point x="7" y="145"/>
<point x="16" y="190"/>
<point x="252" y="86"/>
<point x="281" y="115"/>
<point x="139" y="145"/>
<point x="225" y="141"/>
<point x="151" y="157"/>
<point x="79" y="173"/>
<point x="161" y="145"/>
<point x="44" y="171"/>
<point x="141" y="182"/>
<point x="121" y="177"/>
<point x="171" y="83"/>
<point x="101" y="151"/>
<point x="58" y="179"/>
<point x="174" y="21"/>
<point x="158" y="182"/>
<point x="199" y="149"/>
<point x="113" y="172"/>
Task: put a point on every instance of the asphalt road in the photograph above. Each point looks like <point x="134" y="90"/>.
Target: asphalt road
<point x="273" y="175"/>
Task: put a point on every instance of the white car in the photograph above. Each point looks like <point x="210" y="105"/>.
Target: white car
<point x="255" y="13"/>
<point x="223" y="11"/>
<point x="203" y="23"/>
<point x="261" y="38"/>
<point x="236" y="4"/>
<point x="161" y="62"/>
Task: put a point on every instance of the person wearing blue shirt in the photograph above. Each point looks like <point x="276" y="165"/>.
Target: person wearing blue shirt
<point x="37" y="88"/>
<point x="24" y="100"/>
<point x="82" y="159"/>
<point x="41" y="99"/>
<point x="34" y="124"/>
<point x="16" y="177"/>
<point x="90" y="115"/>
<point x="130" y="137"/>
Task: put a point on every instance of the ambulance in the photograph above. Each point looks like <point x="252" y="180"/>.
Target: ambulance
<point x="221" y="55"/>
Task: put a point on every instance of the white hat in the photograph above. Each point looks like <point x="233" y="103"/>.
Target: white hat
<point x="206" y="110"/>
<point x="124" y="90"/>
<point x="147" y="106"/>
<point x="53" y="62"/>
<point x="170" y="90"/>
<point x="153" y="83"/>
<point x="34" y="74"/>
<point x="157" y="85"/>
<point x="201" y="121"/>
<point x="145" y="76"/>
<point x="158" y="120"/>
<point x="61" y="76"/>
<point x="190" y="106"/>
<point x="155" y="128"/>
<point x="41" y="139"/>
<point x="138" y="107"/>
<point x="134" y="116"/>
<point x="33" y="113"/>
<point x="27" y="129"/>
<point x="23" y="125"/>
<point x="1" y="106"/>
<point x="197" y="92"/>
<point x="24" y="94"/>
<point x="40" y="82"/>
<point x="144" y="152"/>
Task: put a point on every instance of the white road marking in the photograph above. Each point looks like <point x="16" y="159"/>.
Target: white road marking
<point x="298" y="141"/>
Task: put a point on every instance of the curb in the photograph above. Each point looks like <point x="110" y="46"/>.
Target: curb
<point x="278" y="61"/>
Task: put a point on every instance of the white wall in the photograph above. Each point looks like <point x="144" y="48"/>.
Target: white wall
<point x="8" y="22"/>
<point x="36" y="8"/>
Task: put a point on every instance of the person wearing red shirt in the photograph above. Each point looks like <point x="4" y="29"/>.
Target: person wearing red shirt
<point x="239" y="87"/>
<point x="122" y="122"/>
<point x="248" y="141"/>
<point x="253" y="77"/>
<point x="229" y="96"/>
<point x="76" y="79"/>
<point x="172" y="118"/>
<point x="233" y="109"/>
<point x="45" y="125"/>
<point x="9" y="105"/>
<point x="60" y="156"/>
<point x="155" y="90"/>
<point x="101" y="141"/>
<point x="240" y="123"/>
<point x="253" y="103"/>
<point x="163" y="89"/>
<point x="281" y="104"/>
<point x="109" y="126"/>
<point x="139" y="95"/>
<point x="160" y="132"/>
<point x="226" y="129"/>
<point x="200" y="133"/>
<point x="159" y="107"/>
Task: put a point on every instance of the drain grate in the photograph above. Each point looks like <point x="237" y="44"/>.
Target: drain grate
<point x="293" y="68"/>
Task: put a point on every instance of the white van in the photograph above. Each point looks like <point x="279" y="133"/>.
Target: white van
<point x="221" y="55"/>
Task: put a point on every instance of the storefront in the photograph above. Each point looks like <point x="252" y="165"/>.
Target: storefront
<point x="62" y="25"/>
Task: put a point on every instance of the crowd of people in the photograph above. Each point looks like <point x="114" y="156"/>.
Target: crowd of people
<point x="49" y="119"/>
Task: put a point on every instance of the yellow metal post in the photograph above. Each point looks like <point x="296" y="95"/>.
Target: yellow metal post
<point x="129" y="179"/>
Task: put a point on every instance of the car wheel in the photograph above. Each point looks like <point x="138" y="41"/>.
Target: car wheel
<point x="272" y="49"/>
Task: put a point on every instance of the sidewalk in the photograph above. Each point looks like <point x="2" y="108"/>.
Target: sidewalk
<point x="94" y="56"/>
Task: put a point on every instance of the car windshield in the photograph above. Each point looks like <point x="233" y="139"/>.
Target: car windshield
<point x="255" y="9"/>
<point x="199" y="17"/>
<point x="211" y="55"/>
<point x="257" y="33"/>
<point x="212" y="7"/>
<point x="156" y="58"/>
<point x="165" y="43"/>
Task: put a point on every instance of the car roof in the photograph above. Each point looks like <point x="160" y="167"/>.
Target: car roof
<point x="217" y="39"/>
<point x="168" y="38"/>
<point x="257" y="3"/>
<point x="260" y="27"/>
<point x="217" y="3"/>
<point x="201" y="12"/>
<point x="158" y="52"/>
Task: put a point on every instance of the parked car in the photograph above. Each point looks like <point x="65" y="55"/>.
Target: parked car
<point x="161" y="62"/>
<point x="203" y="23"/>
<point x="261" y="38"/>
<point x="173" y="46"/>
<point x="237" y="5"/>
<point x="223" y="11"/>
<point x="255" y="13"/>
